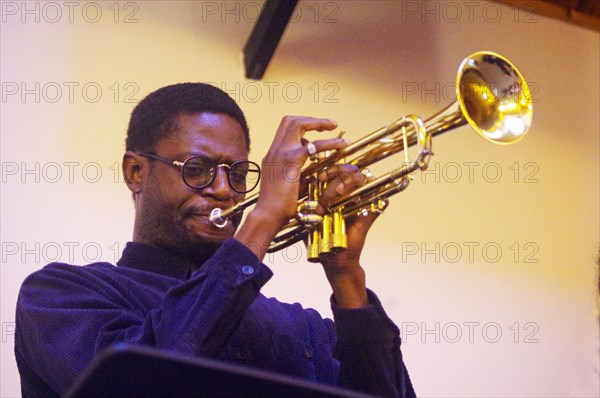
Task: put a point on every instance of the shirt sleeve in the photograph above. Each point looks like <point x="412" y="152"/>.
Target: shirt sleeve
<point x="68" y="314"/>
<point x="368" y="348"/>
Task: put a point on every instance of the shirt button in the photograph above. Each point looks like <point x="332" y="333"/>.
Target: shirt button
<point x="309" y="352"/>
<point x="247" y="270"/>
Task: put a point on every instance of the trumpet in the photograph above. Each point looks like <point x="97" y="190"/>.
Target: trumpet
<point x="492" y="97"/>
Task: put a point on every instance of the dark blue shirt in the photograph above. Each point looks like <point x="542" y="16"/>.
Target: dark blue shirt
<point x="67" y="314"/>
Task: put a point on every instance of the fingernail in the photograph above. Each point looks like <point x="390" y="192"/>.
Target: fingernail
<point x="340" y="188"/>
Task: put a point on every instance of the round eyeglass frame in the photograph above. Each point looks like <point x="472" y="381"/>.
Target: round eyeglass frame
<point x="214" y="167"/>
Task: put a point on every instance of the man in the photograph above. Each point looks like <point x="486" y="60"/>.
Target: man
<point x="186" y="286"/>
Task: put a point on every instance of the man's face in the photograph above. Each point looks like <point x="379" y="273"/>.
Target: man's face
<point x="171" y="214"/>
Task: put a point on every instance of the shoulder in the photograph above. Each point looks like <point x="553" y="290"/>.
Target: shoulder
<point x="63" y="271"/>
<point x="66" y="278"/>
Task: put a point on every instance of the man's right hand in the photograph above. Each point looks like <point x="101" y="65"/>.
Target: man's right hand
<point x="280" y="183"/>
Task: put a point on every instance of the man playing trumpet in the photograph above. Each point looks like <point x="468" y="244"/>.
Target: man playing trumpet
<point x="185" y="286"/>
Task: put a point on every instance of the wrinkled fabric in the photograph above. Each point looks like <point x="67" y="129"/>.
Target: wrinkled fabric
<point x="67" y="314"/>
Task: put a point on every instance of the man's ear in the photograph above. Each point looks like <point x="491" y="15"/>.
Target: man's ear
<point x="134" y="171"/>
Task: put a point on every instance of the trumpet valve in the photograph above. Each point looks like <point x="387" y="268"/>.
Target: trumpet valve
<point x="306" y="213"/>
<point x="339" y="239"/>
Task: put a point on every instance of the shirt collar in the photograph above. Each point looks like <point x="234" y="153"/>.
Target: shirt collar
<point x="157" y="259"/>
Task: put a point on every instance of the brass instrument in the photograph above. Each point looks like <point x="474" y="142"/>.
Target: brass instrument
<point x="492" y="97"/>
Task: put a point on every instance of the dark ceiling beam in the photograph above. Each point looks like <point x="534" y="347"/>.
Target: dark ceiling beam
<point x="265" y="36"/>
<point x="584" y="13"/>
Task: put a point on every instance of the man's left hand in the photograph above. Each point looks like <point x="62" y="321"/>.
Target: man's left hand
<point x="342" y="268"/>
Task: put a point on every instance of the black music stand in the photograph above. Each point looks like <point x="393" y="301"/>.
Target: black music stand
<point x="131" y="371"/>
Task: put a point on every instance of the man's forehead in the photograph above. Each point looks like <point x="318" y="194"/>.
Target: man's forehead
<point x="214" y="135"/>
<point x="203" y="120"/>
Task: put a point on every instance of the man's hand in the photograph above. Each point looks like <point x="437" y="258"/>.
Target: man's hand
<point x="280" y="182"/>
<point x="343" y="270"/>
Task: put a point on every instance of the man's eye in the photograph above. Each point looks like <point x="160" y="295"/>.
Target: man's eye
<point x="237" y="176"/>
<point x="195" y="169"/>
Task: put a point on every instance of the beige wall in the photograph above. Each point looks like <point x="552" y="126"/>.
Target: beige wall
<point x="490" y="276"/>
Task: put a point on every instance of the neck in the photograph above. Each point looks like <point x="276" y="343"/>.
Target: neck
<point x="197" y="252"/>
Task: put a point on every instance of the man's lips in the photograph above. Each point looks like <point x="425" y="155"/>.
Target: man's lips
<point x="203" y="213"/>
<point x="205" y="218"/>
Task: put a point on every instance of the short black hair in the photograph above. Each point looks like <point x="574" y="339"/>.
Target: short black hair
<point x="155" y="117"/>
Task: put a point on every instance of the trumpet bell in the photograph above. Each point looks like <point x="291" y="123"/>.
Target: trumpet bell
<point x="494" y="97"/>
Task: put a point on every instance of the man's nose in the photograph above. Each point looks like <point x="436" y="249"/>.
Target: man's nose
<point x="220" y="186"/>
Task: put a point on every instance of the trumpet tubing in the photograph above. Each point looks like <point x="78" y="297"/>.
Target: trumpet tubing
<point x="492" y="97"/>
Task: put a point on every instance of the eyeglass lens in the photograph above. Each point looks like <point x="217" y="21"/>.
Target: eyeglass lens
<point x="243" y="176"/>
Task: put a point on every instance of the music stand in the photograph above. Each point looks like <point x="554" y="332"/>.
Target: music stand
<point x="127" y="370"/>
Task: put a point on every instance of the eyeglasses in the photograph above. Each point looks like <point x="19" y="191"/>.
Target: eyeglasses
<point x="243" y="175"/>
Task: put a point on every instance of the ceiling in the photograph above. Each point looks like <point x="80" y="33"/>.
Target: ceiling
<point x="585" y="13"/>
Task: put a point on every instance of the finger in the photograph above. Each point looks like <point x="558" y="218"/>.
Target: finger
<point x="344" y="183"/>
<point x="335" y="170"/>
<point x="303" y="187"/>
<point x="305" y="124"/>
<point x="294" y="127"/>
<point x="324" y="145"/>
<point x="341" y="186"/>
